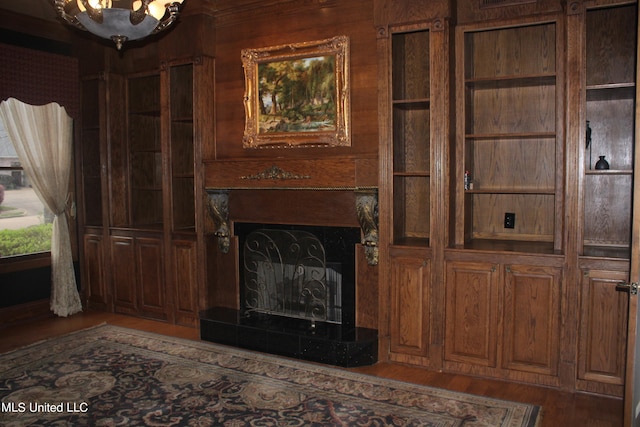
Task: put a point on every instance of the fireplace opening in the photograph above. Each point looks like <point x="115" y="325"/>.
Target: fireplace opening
<point x="298" y="272"/>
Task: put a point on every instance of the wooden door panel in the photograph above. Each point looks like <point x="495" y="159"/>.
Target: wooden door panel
<point x="410" y="306"/>
<point x="93" y="274"/>
<point x="185" y="282"/>
<point x="151" y="298"/>
<point x="123" y="274"/>
<point x="603" y="327"/>
<point x="471" y="313"/>
<point x="531" y="318"/>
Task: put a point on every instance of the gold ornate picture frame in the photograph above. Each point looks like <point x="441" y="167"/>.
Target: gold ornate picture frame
<point x="297" y="95"/>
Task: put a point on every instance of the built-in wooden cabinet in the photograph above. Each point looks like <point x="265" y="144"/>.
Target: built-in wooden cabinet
<point x="138" y="280"/>
<point x="143" y="189"/>
<point x="509" y="147"/>
<point x="410" y="301"/>
<point x="603" y="116"/>
<point x="603" y="329"/>
<point x="504" y="242"/>
<point x="413" y="98"/>
<point x="503" y="319"/>
<point x="101" y="122"/>
<point x="90" y="199"/>
<point x="609" y="61"/>
<point x="410" y="153"/>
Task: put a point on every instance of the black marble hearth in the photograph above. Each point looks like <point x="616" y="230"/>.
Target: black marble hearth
<point x="328" y="343"/>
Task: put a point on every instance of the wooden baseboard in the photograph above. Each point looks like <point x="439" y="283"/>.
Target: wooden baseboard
<point x="23" y="312"/>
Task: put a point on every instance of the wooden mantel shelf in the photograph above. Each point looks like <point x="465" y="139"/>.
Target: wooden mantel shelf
<point x="344" y="173"/>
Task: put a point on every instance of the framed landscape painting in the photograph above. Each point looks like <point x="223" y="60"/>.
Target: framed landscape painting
<point x="297" y="95"/>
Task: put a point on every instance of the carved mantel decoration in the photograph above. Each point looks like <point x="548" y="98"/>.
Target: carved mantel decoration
<point x="218" y="206"/>
<point x="367" y="211"/>
<point x="275" y="173"/>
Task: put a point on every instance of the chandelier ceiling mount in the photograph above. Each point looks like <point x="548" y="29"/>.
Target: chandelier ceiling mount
<point x="120" y="20"/>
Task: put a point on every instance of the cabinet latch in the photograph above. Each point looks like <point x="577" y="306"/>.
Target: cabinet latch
<point x="632" y="288"/>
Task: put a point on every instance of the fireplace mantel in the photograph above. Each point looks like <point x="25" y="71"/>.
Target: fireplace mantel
<point x="366" y="208"/>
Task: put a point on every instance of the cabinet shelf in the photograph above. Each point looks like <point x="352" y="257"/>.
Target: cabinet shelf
<point x="609" y="172"/>
<point x="145" y="150"/>
<point x="412" y="103"/>
<point x="188" y="119"/>
<point x="415" y="242"/>
<point x="614" y="252"/>
<point x="412" y="174"/>
<point x="513" y="81"/>
<point x="611" y="86"/>
<point x="143" y="188"/>
<point x="523" y="191"/>
<point x="504" y="245"/>
<point x="515" y="136"/>
<point x="146" y="113"/>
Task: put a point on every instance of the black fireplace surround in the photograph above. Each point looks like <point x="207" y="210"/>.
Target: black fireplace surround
<point x="340" y="344"/>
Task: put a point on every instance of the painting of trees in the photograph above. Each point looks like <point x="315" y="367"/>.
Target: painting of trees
<point x="297" y="95"/>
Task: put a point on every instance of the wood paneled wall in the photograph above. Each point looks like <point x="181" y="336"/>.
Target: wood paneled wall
<point x="294" y="22"/>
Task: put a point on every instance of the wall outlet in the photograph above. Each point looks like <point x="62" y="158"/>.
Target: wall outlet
<point x="509" y="220"/>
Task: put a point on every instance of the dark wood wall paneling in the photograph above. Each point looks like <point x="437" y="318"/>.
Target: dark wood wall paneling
<point x="295" y="22"/>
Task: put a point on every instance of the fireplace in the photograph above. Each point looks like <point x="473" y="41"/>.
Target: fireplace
<point x="300" y="272"/>
<point x="297" y="295"/>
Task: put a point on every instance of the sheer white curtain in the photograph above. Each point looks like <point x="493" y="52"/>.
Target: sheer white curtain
<point x="42" y="137"/>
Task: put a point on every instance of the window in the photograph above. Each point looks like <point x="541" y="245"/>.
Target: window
<point x="25" y="223"/>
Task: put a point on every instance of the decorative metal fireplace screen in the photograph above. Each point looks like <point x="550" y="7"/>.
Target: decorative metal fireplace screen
<point x="286" y="273"/>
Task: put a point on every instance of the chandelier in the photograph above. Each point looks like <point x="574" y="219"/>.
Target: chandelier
<point x="119" y="20"/>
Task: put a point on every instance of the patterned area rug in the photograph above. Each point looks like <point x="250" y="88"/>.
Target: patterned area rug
<point x="112" y="376"/>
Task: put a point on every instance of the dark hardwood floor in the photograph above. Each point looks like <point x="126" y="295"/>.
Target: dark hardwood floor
<point x="559" y="408"/>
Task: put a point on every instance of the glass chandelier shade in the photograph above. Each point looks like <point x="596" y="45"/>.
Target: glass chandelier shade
<point x="120" y="20"/>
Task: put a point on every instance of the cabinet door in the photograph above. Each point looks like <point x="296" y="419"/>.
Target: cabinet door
<point x="472" y="312"/>
<point x="124" y="274"/>
<point x="410" y="280"/>
<point x="531" y="318"/>
<point x="603" y="327"/>
<point x="185" y="283"/>
<point x="93" y="271"/>
<point x="149" y="260"/>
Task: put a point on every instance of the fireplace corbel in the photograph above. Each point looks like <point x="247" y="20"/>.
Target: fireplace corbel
<point x="218" y="206"/>
<point x="367" y="211"/>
